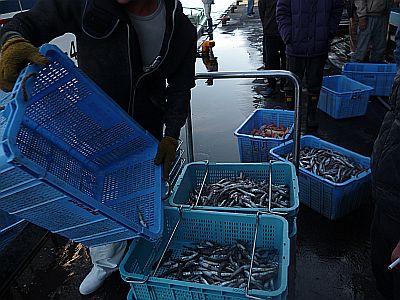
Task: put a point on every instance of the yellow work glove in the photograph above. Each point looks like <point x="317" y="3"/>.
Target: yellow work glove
<point x="15" y="54"/>
<point x="166" y="154"/>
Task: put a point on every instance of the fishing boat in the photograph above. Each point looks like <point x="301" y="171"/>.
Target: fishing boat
<point x="197" y="17"/>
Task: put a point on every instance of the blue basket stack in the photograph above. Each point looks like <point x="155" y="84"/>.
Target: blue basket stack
<point x="197" y="226"/>
<point x="342" y="97"/>
<point x="332" y="200"/>
<point x="256" y="148"/>
<point x="72" y="161"/>
<point x="224" y="225"/>
<point x="378" y="76"/>
<point x="10" y="227"/>
<point x="193" y="175"/>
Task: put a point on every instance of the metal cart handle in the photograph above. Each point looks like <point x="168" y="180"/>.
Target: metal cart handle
<point x="254" y="74"/>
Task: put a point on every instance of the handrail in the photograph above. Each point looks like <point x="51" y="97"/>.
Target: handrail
<point x="254" y="74"/>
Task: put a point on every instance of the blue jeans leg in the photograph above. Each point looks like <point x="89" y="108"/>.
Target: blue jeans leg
<point x="374" y="35"/>
<point x="250" y="5"/>
<point x="396" y="52"/>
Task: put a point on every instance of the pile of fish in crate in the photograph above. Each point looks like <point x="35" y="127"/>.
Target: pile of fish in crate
<point x="333" y="181"/>
<point x="224" y="236"/>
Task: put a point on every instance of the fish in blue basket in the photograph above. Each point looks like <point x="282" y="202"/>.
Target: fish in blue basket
<point x="140" y="217"/>
<point x="328" y="164"/>
<point x="241" y="192"/>
<point x="210" y="263"/>
<point x="271" y="131"/>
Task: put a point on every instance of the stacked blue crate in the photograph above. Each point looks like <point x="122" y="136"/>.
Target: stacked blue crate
<point x="256" y="148"/>
<point x="197" y="226"/>
<point x="282" y="173"/>
<point x="378" y="76"/>
<point x="72" y="161"/>
<point x="342" y="97"/>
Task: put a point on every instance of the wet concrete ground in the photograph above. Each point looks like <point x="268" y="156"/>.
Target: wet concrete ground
<point x="330" y="259"/>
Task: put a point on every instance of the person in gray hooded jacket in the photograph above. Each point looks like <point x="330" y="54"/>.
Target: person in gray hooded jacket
<point x="140" y="52"/>
<point x="373" y="17"/>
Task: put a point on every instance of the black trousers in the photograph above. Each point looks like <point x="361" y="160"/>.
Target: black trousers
<point x="310" y="67"/>
<point x="385" y="234"/>
<point x="274" y="56"/>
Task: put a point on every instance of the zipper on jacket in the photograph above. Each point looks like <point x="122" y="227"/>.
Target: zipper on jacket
<point x="132" y="99"/>
<point x="130" y="70"/>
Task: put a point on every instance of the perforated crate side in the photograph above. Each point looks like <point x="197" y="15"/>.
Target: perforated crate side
<point x="70" y="134"/>
<point x="342" y="97"/>
<point x="256" y="148"/>
<point x="110" y="237"/>
<point x="193" y="174"/>
<point x="10" y="227"/>
<point x="220" y="227"/>
<point x="333" y="200"/>
<point x="378" y="76"/>
<point x="7" y="237"/>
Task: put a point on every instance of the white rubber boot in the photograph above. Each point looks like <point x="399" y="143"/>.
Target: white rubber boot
<point x="105" y="259"/>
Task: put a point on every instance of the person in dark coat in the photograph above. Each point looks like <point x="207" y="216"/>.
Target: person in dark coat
<point x="307" y="27"/>
<point x="274" y="57"/>
<point x="385" y="171"/>
<point x="140" y="52"/>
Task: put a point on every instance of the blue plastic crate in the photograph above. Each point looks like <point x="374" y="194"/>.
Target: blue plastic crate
<point x="378" y="76"/>
<point x="10" y="227"/>
<point x="72" y="161"/>
<point x="193" y="174"/>
<point x="332" y="200"/>
<point x="342" y="97"/>
<point x="394" y="18"/>
<point x="196" y="226"/>
<point x="256" y="148"/>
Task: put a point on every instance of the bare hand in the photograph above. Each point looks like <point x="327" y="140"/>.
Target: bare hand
<point x="396" y="254"/>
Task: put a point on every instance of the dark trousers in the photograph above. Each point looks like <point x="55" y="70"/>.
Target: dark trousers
<point x="274" y="56"/>
<point x="310" y="67"/>
<point x="385" y="234"/>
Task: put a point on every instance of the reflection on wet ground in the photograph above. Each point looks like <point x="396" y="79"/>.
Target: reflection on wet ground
<point x="330" y="259"/>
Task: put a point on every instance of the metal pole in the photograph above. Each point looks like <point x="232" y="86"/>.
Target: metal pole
<point x="383" y="102"/>
<point x="255" y="74"/>
<point x="189" y="136"/>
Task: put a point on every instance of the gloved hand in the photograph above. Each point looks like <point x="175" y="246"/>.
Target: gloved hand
<point x="15" y="54"/>
<point x="363" y="23"/>
<point x="166" y="154"/>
